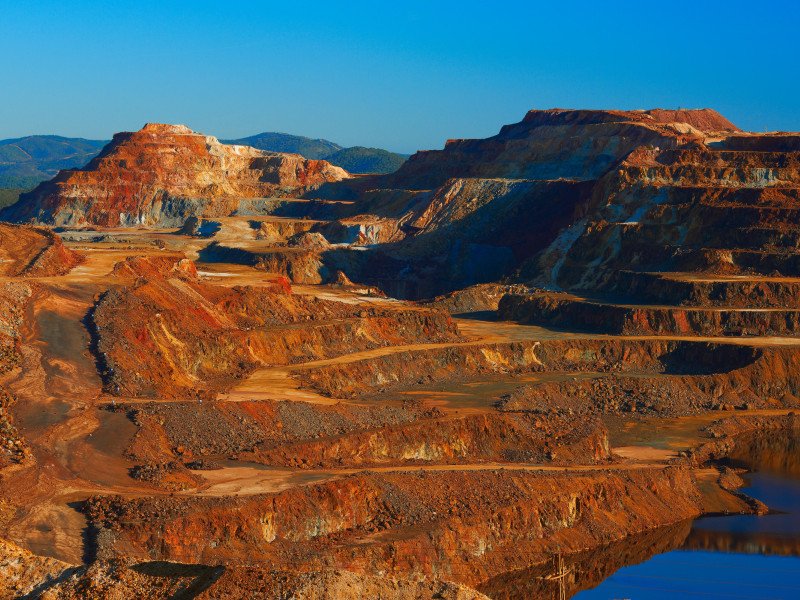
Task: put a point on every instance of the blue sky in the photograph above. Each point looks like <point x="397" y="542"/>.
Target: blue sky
<point x="399" y="75"/>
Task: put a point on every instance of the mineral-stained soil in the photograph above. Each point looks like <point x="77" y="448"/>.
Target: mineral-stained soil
<point x="163" y="174"/>
<point x="244" y="403"/>
<point x="25" y="575"/>
<point x="32" y="252"/>
<point x="174" y="336"/>
<point x="13" y="299"/>
<point x="409" y="524"/>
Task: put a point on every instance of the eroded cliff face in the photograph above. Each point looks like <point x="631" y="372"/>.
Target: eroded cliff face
<point x="163" y="174"/>
<point x="705" y="206"/>
<point x="415" y="524"/>
<point x="171" y="335"/>
<point x="25" y="575"/>
<point x="33" y="252"/>
<point x="478" y="209"/>
<point x="555" y="144"/>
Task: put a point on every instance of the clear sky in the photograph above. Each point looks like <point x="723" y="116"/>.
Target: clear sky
<point x="398" y="75"/>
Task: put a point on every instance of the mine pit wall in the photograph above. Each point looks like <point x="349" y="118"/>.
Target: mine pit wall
<point x="227" y="428"/>
<point x="25" y="575"/>
<point x="663" y="395"/>
<point x="565" y="312"/>
<point x="312" y="436"/>
<point x="476" y="438"/>
<point x="653" y="288"/>
<point x="418" y="524"/>
<point x="245" y="351"/>
<point x="750" y="437"/>
<point x="769" y="372"/>
<point x="178" y="349"/>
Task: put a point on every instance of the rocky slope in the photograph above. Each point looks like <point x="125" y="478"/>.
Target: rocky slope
<point x="30" y="252"/>
<point x="415" y="525"/>
<point x="478" y="209"/>
<point x="24" y="575"/>
<point x="227" y="418"/>
<point x="161" y="175"/>
<point x="162" y="332"/>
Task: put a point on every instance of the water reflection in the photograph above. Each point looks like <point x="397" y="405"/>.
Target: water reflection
<point x="776" y="451"/>
<point x="587" y="569"/>
<point x="742" y="556"/>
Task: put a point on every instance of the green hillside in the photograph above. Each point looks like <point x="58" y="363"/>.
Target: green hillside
<point x="284" y="142"/>
<point x="24" y="162"/>
<point x="9" y="196"/>
<point x="359" y="159"/>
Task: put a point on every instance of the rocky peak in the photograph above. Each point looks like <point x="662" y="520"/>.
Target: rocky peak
<point x="165" y="128"/>
<point x="703" y="119"/>
<point x="163" y="174"/>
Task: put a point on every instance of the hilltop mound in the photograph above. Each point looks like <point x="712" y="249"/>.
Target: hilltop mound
<point x="316" y="149"/>
<point x="359" y="159"/>
<point x="163" y="174"/>
<point x="28" y="251"/>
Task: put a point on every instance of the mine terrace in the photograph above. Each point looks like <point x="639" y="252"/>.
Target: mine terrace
<point x="512" y="366"/>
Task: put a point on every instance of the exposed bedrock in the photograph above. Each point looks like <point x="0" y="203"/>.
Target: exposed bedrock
<point x="699" y="207"/>
<point x="682" y="289"/>
<point x="662" y="396"/>
<point x="416" y="524"/>
<point x="33" y="252"/>
<point x="475" y="438"/>
<point x="25" y="575"/>
<point x="564" y="311"/>
<point x="552" y="144"/>
<point x="299" y="434"/>
<point x="477" y="298"/>
<point x="474" y="211"/>
<point x="594" y="190"/>
<point x="769" y="372"/>
<point x="189" y="429"/>
<point x="163" y="174"/>
<point x="766" y="442"/>
<point x="173" y="336"/>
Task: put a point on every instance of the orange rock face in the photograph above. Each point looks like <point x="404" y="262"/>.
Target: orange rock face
<point x="163" y="174"/>
<point x="163" y="333"/>
<point x="555" y="144"/>
<point x="31" y="252"/>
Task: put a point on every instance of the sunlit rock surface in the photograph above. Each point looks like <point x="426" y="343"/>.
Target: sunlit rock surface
<point x="163" y="174"/>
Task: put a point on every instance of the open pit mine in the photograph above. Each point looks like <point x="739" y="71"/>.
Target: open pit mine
<point x="507" y="370"/>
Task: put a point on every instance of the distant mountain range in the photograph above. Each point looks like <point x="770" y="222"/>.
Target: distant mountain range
<point x="24" y="162"/>
<point x="284" y="142"/>
<point x="356" y="159"/>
